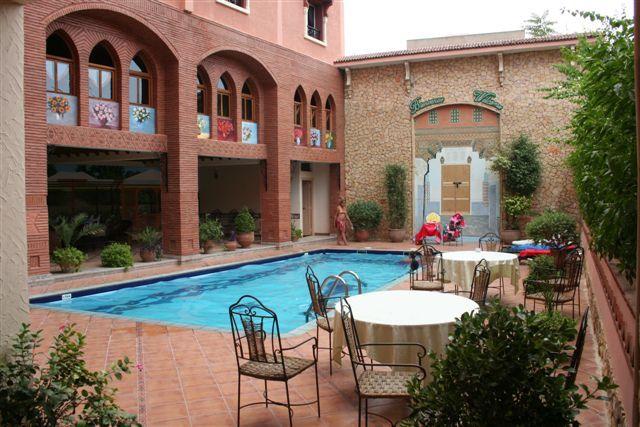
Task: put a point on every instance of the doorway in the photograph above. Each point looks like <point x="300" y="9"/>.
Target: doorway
<point x="307" y="208"/>
<point x="456" y="189"/>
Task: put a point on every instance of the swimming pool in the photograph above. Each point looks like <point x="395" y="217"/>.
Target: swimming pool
<point x="202" y="298"/>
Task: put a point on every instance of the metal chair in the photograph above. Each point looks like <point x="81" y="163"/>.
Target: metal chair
<point x="371" y="382"/>
<point x="480" y="283"/>
<point x="577" y="352"/>
<point x="423" y="276"/>
<point x="260" y="355"/>
<point x="491" y="242"/>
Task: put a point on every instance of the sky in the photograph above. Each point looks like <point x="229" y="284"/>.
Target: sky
<point x="379" y="25"/>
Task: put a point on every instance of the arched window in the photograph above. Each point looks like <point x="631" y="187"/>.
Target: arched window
<point x="102" y="69"/>
<point x="202" y="95"/>
<point x="248" y="104"/>
<point x="297" y="108"/>
<point x="224" y="98"/>
<point x="139" y="82"/>
<point x="329" y="124"/>
<point x="315" y="111"/>
<point x="59" y="65"/>
<point x="329" y="120"/>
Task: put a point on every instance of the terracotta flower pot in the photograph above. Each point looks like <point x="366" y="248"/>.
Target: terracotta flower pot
<point x="69" y="268"/>
<point x="148" y="255"/>
<point x="209" y="246"/>
<point x="245" y="239"/>
<point x="508" y="236"/>
<point x="361" y="235"/>
<point x="294" y="238"/>
<point x="396" y="235"/>
<point x="231" y="245"/>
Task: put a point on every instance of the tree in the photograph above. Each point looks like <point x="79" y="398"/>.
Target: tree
<point x="539" y="25"/>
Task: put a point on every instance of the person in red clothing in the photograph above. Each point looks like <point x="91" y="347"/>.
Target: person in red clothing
<point x="342" y="220"/>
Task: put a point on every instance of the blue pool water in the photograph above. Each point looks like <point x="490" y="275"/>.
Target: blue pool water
<point x="203" y="299"/>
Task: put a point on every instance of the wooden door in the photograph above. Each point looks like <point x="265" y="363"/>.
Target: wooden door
<point x="307" y="208"/>
<point x="456" y="189"/>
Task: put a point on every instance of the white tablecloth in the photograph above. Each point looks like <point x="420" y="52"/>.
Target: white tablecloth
<point x="459" y="265"/>
<point x="423" y="317"/>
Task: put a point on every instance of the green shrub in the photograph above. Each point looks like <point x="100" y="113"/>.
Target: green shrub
<point x="522" y="175"/>
<point x="69" y="259"/>
<point x="365" y="214"/>
<point x="244" y="221"/>
<point x="295" y="231"/>
<point x="514" y="206"/>
<point x="149" y="238"/>
<point x="61" y="390"/>
<point x="542" y="268"/>
<point x="117" y="255"/>
<point x="598" y="80"/>
<point x="69" y="230"/>
<point x="503" y="367"/>
<point x="211" y="229"/>
<point x="395" y="181"/>
<point x="553" y="228"/>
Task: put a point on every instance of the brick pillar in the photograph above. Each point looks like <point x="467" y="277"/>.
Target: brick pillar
<point x="275" y="204"/>
<point x="180" y="186"/>
<point x="14" y="296"/>
<point x="336" y="190"/>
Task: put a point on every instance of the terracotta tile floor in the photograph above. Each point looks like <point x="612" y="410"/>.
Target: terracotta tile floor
<point x="189" y="376"/>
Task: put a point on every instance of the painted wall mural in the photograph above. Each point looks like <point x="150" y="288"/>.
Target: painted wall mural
<point x="249" y="132"/>
<point x="329" y="140"/>
<point x="62" y="109"/>
<point x="142" y="119"/>
<point x="204" y="126"/>
<point x="316" y="138"/>
<point x="226" y="130"/>
<point x="104" y="114"/>
<point x="298" y="136"/>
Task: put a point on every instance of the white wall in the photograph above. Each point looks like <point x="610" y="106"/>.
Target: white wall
<point x="296" y="194"/>
<point x="236" y="186"/>
<point x="319" y="175"/>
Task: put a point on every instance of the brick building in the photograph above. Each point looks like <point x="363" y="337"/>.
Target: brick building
<point x="205" y="106"/>
<point x="441" y="108"/>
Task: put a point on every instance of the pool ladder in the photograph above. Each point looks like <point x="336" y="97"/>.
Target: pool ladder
<point x="337" y="278"/>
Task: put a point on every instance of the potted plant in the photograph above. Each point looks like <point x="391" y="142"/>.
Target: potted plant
<point x="231" y="244"/>
<point x="395" y="181"/>
<point x="69" y="259"/>
<point x="68" y="232"/>
<point x="149" y="239"/>
<point x="117" y="255"/>
<point x="210" y="233"/>
<point x="296" y="233"/>
<point x="365" y="216"/>
<point x="245" y="227"/>
<point x="554" y="229"/>
<point x="514" y="206"/>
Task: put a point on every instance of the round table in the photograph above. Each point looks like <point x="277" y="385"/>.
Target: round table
<point x="459" y="266"/>
<point x="427" y="318"/>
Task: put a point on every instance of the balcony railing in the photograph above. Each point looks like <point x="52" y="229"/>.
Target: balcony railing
<point x="314" y="32"/>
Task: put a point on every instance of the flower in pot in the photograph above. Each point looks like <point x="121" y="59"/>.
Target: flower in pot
<point x="69" y="259"/>
<point x="365" y="216"/>
<point x="231" y="244"/>
<point x="555" y="229"/>
<point x="245" y="227"/>
<point x="296" y="233"/>
<point x="210" y="233"/>
<point x="395" y="181"/>
<point x="514" y="206"/>
<point x="150" y="240"/>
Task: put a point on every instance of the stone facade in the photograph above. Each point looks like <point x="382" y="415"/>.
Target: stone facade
<point x="379" y="125"/>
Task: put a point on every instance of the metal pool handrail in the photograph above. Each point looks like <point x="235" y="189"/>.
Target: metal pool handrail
<point x="355" y="275"/>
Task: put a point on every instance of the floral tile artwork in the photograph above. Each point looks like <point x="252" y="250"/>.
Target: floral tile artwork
<point x="204" y="126"/>
<point x="316" y="137"/>
<point x="226" y="130"/>
<point x="62" y="109"/>
<point x="142" y="119"/>
<point x="329" y="140"/>
<point x="298" y="136"/>
<point x="104" y="114"/>
<point x="249" y="133"/>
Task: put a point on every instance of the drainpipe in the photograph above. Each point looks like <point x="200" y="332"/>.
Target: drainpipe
<point x="424" y="190"/>
<point x="635" y="415"/>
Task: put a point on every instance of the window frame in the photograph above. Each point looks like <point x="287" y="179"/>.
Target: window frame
<point x="220" y="95"/>
<point x="477" y="115"/>
<point x="243" y="9"/>
<point x="454" y="115"/>
<point x="432" y="117"/>
<point x="141" y="76"/>
<point x="328" y="123"/>
<point x="201" y="84"/>
<point x="55" y="60"/>
<point x="245" y="98"/>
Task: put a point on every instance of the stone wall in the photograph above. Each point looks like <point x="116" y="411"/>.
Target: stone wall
<point x="378" y="123"/>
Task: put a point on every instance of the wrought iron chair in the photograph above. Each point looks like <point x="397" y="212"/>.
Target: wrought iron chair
<point x="562" y="289"/>
<point x="480" y="283"/>
<point x="319" y="305"/>
<point x="260" y="355"/>
<point x="424" y="276"/>
<point x="491" y="242"/>
<point x="577" y="353"/>
<point x="371" y="381"/>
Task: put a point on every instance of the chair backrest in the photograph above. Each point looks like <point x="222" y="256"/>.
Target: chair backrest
<point x="480" y="283"/>
<point x="315" y="292"/>
<point x="490" y="242"/>
<point x="255" y="330"/>
<point x="429" y="254"/>
<point x="572" y="270"/>
<point x="351" y="336"/>
<point x="577" y="353"/>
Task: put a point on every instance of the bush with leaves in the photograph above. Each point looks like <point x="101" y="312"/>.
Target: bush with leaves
<point x="210" y="229"/>
<point x="553" y="228"/>
<point x="599" y="82"/>
<point x="150" y="239"/>
<point x="365" y="214"/>
<point x="61" y="391"/>
<point x="395" y="181"/>
<point x="503" y="367"/>
<point x="116" y="255"/>
<point x="522" y="174"/>
<point x="514" y="206"/>
<point x="69" y="231"/>
<point x="244" y="221"/>
<point x="69" y="259"/>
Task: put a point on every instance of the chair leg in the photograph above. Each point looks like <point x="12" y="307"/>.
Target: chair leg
<point x="317" y="387"/>
<point x="359" y="410"/>
<point x="366" y="412"/>
<point x="239" y="378"/>
<point x="286" y="386"/>
<point x="330" y="354"/>
<point x="266" y="394"/>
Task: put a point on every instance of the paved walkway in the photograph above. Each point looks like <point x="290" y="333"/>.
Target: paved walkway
<point x="189" y="376"/>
